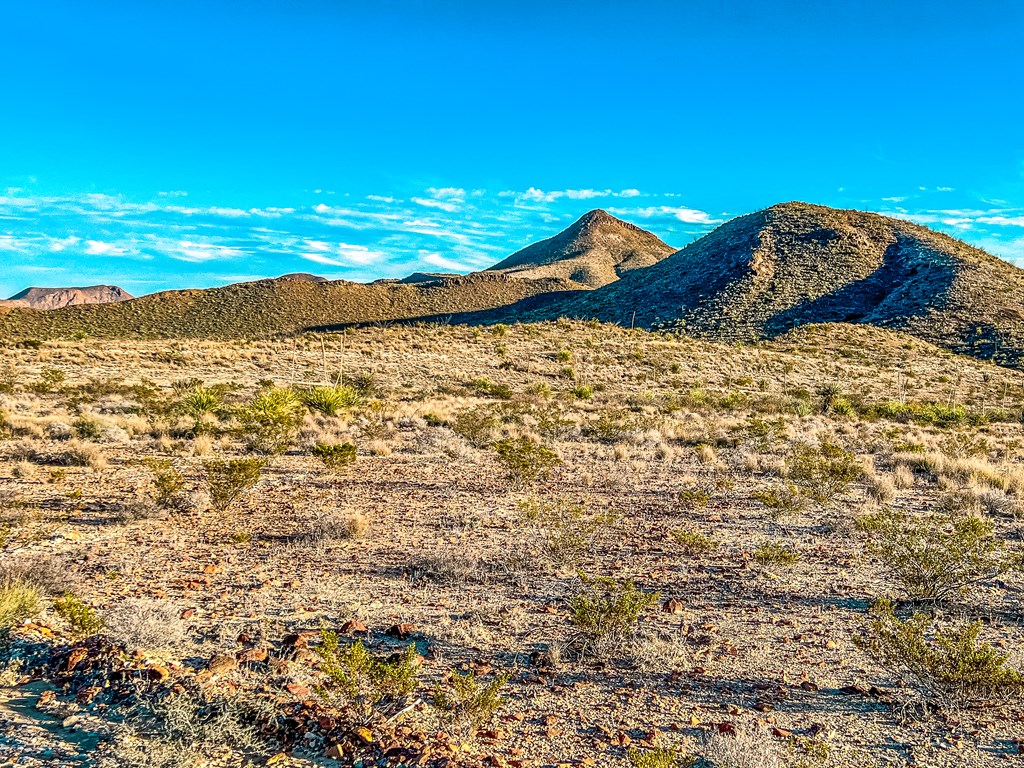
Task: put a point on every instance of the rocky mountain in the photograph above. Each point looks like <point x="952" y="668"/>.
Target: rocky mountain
<point x="760" y="275"/>
<point x="596" y="250"/>
<point x="55" y="298"/>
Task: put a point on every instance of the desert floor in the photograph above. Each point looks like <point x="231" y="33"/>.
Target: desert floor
<point x="209" y="620"/>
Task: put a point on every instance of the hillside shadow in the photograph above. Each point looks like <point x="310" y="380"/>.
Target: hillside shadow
<point x="509" y="313"/>
<point x="922" y="286"/>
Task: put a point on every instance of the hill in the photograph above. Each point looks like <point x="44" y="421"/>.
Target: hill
<point x="596" y="250"/>
<point x="55" y="298"/>
<point x="760" y="275"/>
<point x="266" y="308"/>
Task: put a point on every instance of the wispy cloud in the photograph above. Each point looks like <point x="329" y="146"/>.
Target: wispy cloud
<point x="680" y="213"/>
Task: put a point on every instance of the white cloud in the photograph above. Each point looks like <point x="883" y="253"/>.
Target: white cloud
<point x="59" y="245"/>
<point x="437" y="260"/>
<point x="534" y="195"/>
<point x="319" y="258"/>
<point x="681" y="213"/>
<point x="199" y="252"/>
<point x="441" y="204"/>
<point x="100" y="248"/>
<point x="380" y="199"/>
<point x="10" y="244"/>
<point x="447" y="193"/>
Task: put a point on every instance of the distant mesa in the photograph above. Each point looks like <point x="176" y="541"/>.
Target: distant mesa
<point x="304" y="277"/>
<point x="56" y="298"/>
<point x="593" y="252"/>
<point x="418" y="278"/>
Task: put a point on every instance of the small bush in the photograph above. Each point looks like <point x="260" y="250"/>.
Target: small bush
<point x="934" y="556"/>
<point x="694" y="543"/>
<point x="82" y="619"/>
<point x="465" y="702"/>
<point x="87" y="429"/>
<point x="484" y="386"/>
<point x="227" y="480"/>
<point x="477" y="427"/>
<point x="567" y="531"/>
<point x="330" y="401"/>
<point x="19" y="600"/>
<point x="360" y="682"/>
<point x="605" y="611"/>
<point x="781" y="500"/>
<point x="659" y="757"/>
<point x="168" y="483"/>
<point x="525" y="460"/>
<point x="145" y="623"/>
<point x="271" y="421"/>
<point x="583" y="392"/>
<point x="952" y="667"/>
<point x="823" y="473"/>
<point x="773" y="553"/>
<point x="199" y="403"/>
<point x="335" y="457"/>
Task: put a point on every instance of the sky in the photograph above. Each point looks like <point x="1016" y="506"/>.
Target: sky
<point x="159" y="145"/>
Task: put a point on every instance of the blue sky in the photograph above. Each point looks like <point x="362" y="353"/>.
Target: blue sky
<point x="160" y="145"/>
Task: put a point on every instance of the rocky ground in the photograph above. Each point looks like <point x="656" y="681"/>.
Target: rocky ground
<point x="676" y="472"/>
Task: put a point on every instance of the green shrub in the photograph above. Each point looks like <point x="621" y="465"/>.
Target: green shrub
<point x="330" y="401"/>
<point x="583" y="392"/>
<point x="465" y="702"/>
<point x="477" y="426"/>
<point x="946" y="667"/>
<point x="694" y="543"/>
<point x="780" y="499"/>
<point x="659" y="757"/>
<point x="564" y="356"/>
<point x="82" y="619"/>
<point x="359" y="682"/>
<point x="168" y="482"/>
<point x="606" y="610"/>
<point x="486" y="387"/>
<point x="87" y="429"/>
<point x="227" y="480"/>
<point x="823" y="473"/>
<point x="525" y="460"/>
<point x="693" y="498"/>
<point x="335" y="457"/>
<point x="567" y="531"/>
<point x="199" y="401"/>
<point x="271" y="421"/>
<point x="773" y="553"/>
<point x="935" y="556"/>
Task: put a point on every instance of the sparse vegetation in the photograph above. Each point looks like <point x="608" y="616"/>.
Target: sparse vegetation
<point x="227" y="480"/>
<point x="525" y="460"/>
<point x="947" y="667"/>
<point x="336" y="457"/>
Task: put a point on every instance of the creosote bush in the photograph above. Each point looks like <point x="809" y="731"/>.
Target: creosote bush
<point x="567" y="530"/>
<point x="525" y="460"/>
<point x="694" y="542"/>
<point x="951" y="667"/>
<point x="82" y="619"/>
<point x="359" y="682"/>
<point x="467" y="703"/>
<point x="605" y="611"/>
<point x="335" y="457"/>
<point x="226" y="480"/>
<point x="934" y="556"/>
<point x="168" y="482"/>
<point x="823" y="473"/>
<point x="773" y="553"/>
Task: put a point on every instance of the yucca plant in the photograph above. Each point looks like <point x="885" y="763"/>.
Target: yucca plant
<point x="330" y="401"/>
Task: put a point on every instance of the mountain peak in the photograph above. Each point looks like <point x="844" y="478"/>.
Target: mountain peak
<point x="595" y="250"/>
<point x="55" y="298"/>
